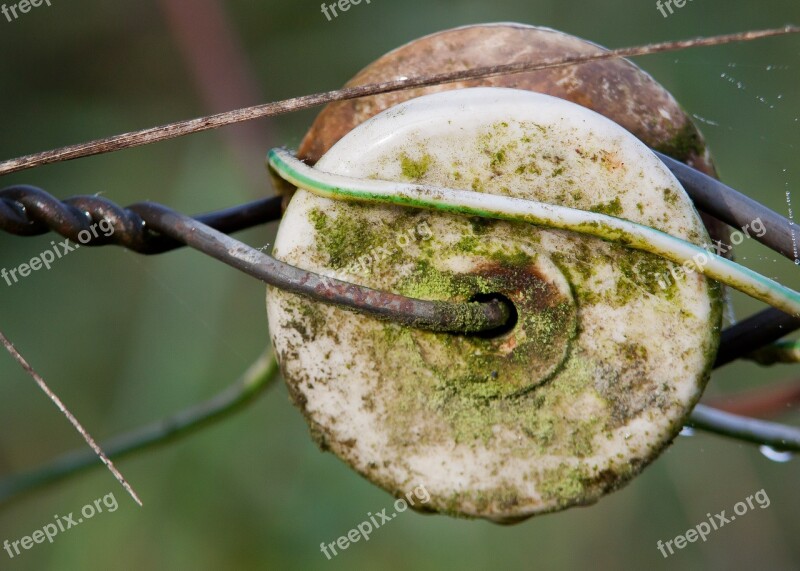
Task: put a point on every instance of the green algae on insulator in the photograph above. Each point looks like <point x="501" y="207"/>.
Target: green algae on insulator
<point x="591" y="382"/>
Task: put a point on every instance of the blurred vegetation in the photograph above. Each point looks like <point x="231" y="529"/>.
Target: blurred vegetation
<point x="125" y="340"/>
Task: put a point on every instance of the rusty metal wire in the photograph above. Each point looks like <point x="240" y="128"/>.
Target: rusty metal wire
<point x="150" y="228"/>
<point x="30" y="211"/>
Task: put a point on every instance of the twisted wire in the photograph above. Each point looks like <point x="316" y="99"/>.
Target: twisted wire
<point x="150" y="228"/>
<point x="30" y="211"/>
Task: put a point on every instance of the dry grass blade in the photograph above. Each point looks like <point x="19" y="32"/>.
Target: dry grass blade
<point x="74" y="421"/>
<point x="181" y="128"/>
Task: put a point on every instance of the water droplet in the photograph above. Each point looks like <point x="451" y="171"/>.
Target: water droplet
<point x="775" y="455"/>
<point x="687" y="431"/>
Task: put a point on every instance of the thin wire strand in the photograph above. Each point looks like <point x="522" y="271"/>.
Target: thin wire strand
<point x="74" y="421"/>
<point x="182" y="128"/>
<point x="261" y="376"/>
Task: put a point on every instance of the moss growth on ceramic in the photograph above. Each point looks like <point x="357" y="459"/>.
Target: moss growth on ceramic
<point x="608" y="353"/>
<point x="415" y="169"/>
<point x="612" y="207"/>
<point x="564" y="483"/>
<point x="686" y="144"/>
<point x="343" y="238"/>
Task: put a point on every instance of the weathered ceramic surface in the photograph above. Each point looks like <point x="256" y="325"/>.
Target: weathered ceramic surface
<point x="603" y="364"/>
<point x="615" y="88"/>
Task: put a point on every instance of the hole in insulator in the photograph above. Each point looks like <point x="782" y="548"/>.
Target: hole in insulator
<point x="513" y="315"/>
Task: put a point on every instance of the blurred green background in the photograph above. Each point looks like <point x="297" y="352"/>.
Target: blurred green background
<point x="125" y="340"/>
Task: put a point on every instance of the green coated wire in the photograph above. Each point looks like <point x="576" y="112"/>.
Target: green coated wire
<point x="609" y="228"/>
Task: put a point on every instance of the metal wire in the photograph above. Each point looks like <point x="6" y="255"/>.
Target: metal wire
<point x="199" y="124"/>
<point x="30" y="211"/>
<point x="468" y="317"/>
<point x="150" y="228"/>
<point x="732" y="207"/>
<point x="756" y="331"/>
<point x="778" y="436"/>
